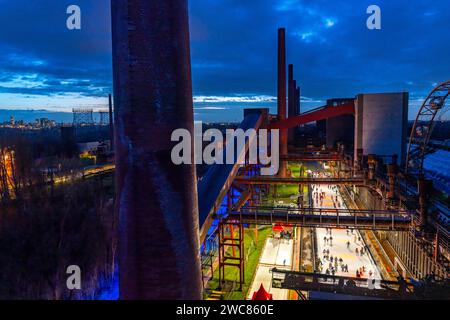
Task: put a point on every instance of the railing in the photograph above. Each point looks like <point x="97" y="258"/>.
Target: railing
<point x="285" y="279"/>
<point x="319" y="217"/>
<point x="277" y="180"/>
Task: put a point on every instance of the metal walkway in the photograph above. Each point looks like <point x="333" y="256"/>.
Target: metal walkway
<point x="330" y="218"/>
<point x="311" y="157"/>
<point x="261" y="180"/>
<point x="302" y="281"/>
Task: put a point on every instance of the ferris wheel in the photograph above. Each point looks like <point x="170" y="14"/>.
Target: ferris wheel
<point x="433" y="108"/>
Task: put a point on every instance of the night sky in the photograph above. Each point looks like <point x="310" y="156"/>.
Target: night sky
<point x="43" y="65"/>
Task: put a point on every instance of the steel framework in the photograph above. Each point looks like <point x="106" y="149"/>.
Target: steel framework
<point x="229" y="239"/>
<point x="423" y="126"/>
<point x="270" y="180"/>
<point x="388" y="220"/>
<point x="104" y="117"/>
<point x="82" y="116"/>
<point x="429" y="288"/>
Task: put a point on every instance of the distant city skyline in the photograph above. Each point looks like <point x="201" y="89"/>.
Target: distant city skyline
<point x="43" y="65"/>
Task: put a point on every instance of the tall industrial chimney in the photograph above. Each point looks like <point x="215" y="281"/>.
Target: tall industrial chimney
<point x="297" y="100"/>
<point x="291" y="99"/>
<point x="159" y="256"/>
<point x="281" y="101"/>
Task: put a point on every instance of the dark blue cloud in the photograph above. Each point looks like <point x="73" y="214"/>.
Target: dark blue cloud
<point x="234" y="48"/>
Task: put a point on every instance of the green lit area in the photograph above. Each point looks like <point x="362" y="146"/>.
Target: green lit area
<point x="253" y="245"/>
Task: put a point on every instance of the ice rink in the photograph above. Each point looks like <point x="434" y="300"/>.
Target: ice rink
<point x="276" y="253"/>
<point x="279" y="252"/>
<point x="338" y="246"/>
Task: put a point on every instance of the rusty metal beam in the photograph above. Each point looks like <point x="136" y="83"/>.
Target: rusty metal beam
<point x="321" y="114"/>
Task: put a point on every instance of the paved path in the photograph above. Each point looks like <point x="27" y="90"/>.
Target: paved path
<point x="276" y="253"/>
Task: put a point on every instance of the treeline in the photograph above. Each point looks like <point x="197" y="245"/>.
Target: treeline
<point x="44" y="228"/>
<point x="52" y="228"/>
<point x="38" y="143"/>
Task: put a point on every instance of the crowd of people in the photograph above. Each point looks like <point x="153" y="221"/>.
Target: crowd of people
<point x="318" y="196"/>
<point x="332" y="260"/>
<point x="334" y="263"/>
<point x="330" y="264"/>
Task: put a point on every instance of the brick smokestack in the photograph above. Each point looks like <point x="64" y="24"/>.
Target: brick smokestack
<point x="297" y="100"/>
<point x="291" y="99"/>
<point x="281" y="101"/>
<point x="156" y="200"/>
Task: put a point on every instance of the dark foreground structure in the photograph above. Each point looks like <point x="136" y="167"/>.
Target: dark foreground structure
<point x="156" y="200"/>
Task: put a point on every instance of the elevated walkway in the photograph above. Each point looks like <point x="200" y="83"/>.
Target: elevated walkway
<point x="262" y="180"/>
<point x="303" y="281"/>
<point x="325" y="218"/>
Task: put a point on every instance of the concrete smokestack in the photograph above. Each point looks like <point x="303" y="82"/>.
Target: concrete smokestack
<point x="156" y="200"/>
<point x="281" y="101"/>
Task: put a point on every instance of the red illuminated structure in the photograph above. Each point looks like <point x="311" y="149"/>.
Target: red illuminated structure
<point x="314" y="115"/>
<point x="261" y="294"/>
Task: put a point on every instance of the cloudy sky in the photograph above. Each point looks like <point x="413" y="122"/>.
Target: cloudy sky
<point x="43" y="65"/>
